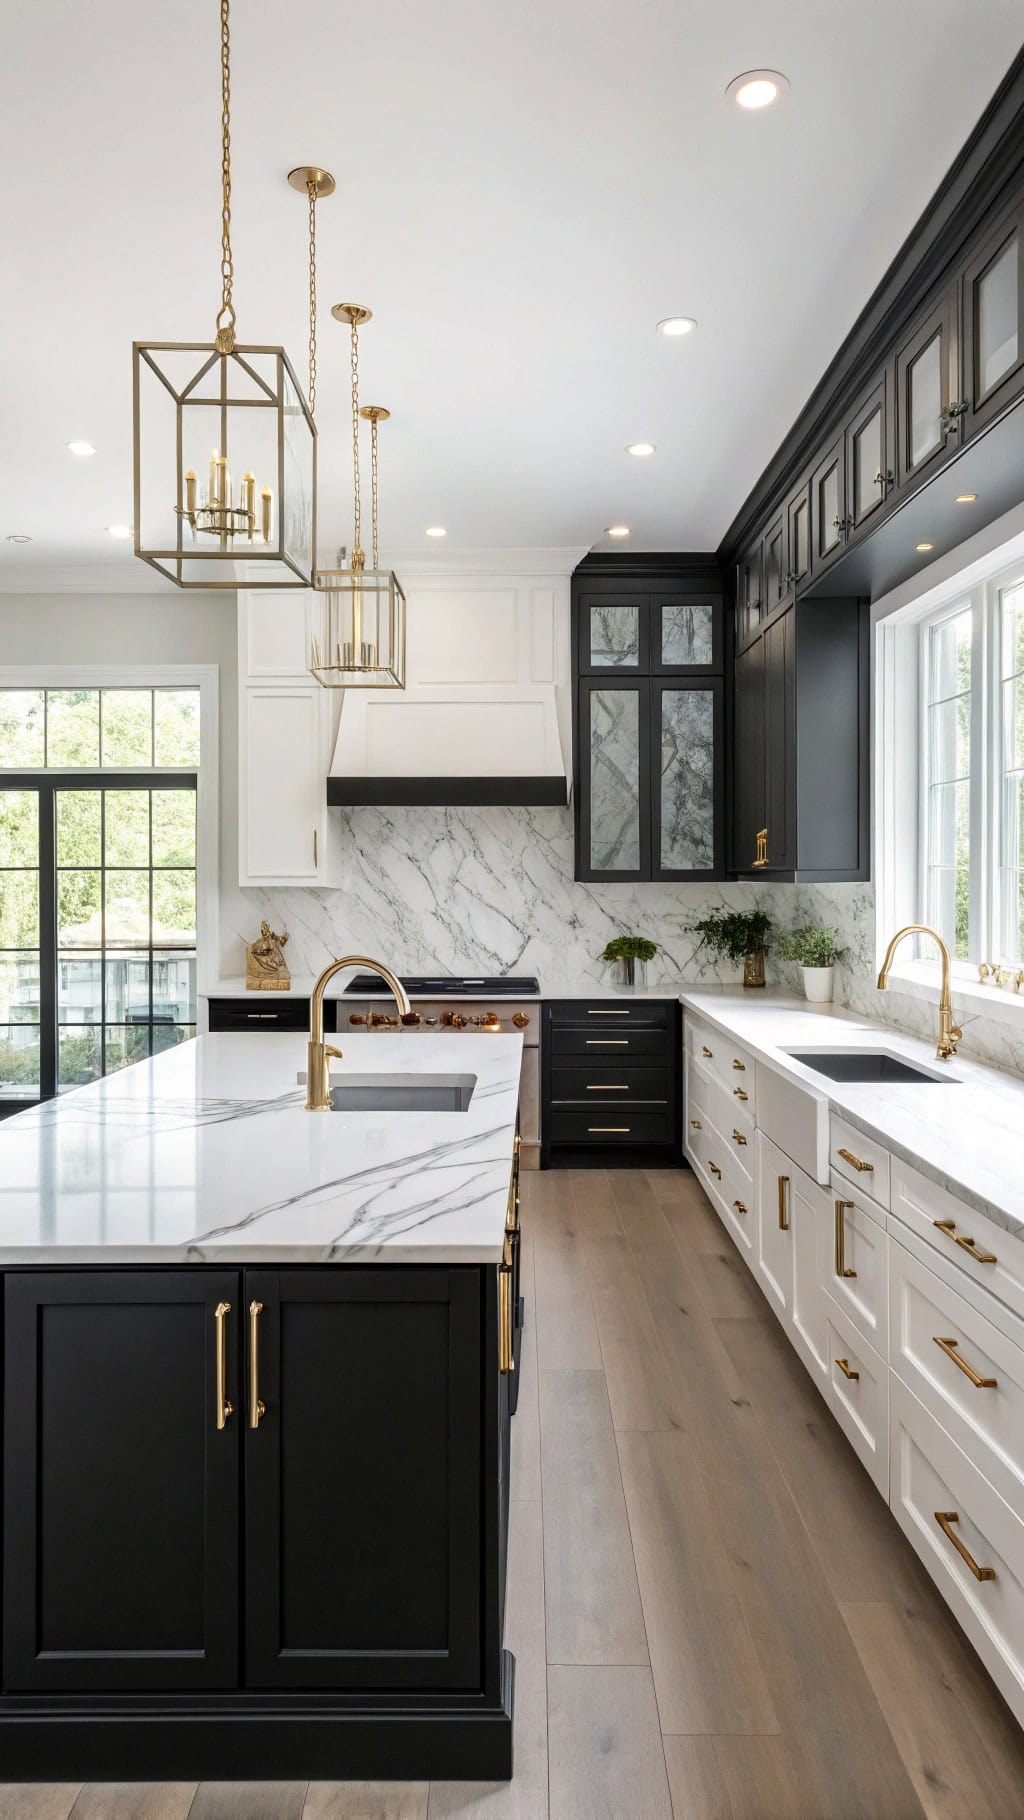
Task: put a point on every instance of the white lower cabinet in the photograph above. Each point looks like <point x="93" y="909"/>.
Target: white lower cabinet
<point x="858" y="1392"/>
<point x="790" y="1212"/>
<point x="970" y="1541"/>
<point x="855" y="1269"/>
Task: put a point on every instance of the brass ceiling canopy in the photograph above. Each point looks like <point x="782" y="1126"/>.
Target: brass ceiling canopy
<point x="243" y="402"/>
<point x="306" y="176"/>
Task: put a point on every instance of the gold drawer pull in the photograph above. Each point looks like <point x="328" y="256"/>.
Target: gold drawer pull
<point x="969" y="1245"/>
<point x="715" y="1170"/>
<point x="506" y="1358"/>
<point x="738" y="1135"/>
<point x="607" y="1042"/>
<point x="944" y="1518"/>
<point x="612" y="1087"/>
<point x="697" y="1126"/>
<point x="706" y="1051"/>
<point x="608" y="1014"/>
<point x="739" y="1094"/>
<point x="783" y="1203"/>
<point x="224" y="1409"/>
<point x="855" y="1162"/>
<point x="842" y="1269"/>
<point x="949" y="1347"/>
<point x="609" y="1127"/>
<point x="845" y="1368"/>
<point x="742" y="1066"/>
<point x="257" y="1407"/>
<point x="740" y="1206"/>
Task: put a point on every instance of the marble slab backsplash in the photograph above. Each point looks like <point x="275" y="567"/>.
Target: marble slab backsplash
<point x="492" y="890"/>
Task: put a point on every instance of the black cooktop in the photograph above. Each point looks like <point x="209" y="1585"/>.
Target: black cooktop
<point x="506" y="985"/>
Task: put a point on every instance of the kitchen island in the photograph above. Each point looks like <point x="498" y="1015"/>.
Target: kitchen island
<point x="256" y="1417"/>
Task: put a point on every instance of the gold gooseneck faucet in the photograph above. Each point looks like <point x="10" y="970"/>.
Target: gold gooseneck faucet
<point x="949" y="1033"/>
<point x="319" y="1053"/>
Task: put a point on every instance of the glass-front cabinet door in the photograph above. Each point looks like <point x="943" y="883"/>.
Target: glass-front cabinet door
<point x="614" y="634"/>
<point x="829" y="523"/>
<point x="799" y="516"/>
<point x="993" y="308"/>
<point x="869" y="469"/>
<point x="686" y="635"/>
<point x="687" y="820"/>
<point x="615" y="807"/>
<point x="927" y="404"/>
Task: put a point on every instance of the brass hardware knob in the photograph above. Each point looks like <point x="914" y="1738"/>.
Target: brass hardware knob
<point x="856" y="1162"/>
<point x="740" y="1206"/>
<point x="847" y="1370"/>
<point x="520" y="1019"/>
<point x="738" y="1136"/>
<point x="706" y="1051"/>
<point x="944" y="1519"/>
<point x="715" y="1170"/>
<point x="697" y="1126"/>
<point x="739" y="1094"/>
<point x="740" y="1066"/>
<point x="949" y="1347"/>
<point x="969" y="1245"/>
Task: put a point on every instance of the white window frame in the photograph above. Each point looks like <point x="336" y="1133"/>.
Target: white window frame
<point x="205" y="678"/>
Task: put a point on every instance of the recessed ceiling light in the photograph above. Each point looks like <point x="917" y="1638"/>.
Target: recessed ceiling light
<point x="616" y="530"/>
<point x="676" y="325"/>
<point x="924" y="546"/>
<point x="81" y="448"/>
<point x="120" y="530"/>
<point x="965" y="499"/>
<point x="639" y="448"/>
<point x="18" y="537"/>
<point x="757" y="88"/>
<point x="436" y="531"/>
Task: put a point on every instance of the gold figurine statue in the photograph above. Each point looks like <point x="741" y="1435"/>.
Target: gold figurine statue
<point x="266" y="969"/>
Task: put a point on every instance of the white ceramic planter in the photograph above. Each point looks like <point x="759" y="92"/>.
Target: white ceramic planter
<point x="818" y="984"/>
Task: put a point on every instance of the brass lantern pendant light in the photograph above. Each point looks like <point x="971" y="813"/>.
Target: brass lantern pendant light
<point x="201" y="409"/>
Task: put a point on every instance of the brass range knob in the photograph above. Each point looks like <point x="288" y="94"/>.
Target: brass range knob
<point x="409" y="1020"/>
<point x="520" y="1019"/>
<point x="488" y="1020"/>
<point x="376" y="1020"/>
<point x="454" y="1020"/>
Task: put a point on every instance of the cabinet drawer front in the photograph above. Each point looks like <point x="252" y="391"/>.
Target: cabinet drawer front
<point x="602" y="1044"/>
<point x="986" y="1419"/>
<point x="611" y="1125"/>
<point x="858" y="1393"/>
<point x="640" y="1015"/>
<point x="928" y="1475"/>
<point x="727" y="1189"/>
<point x="732" y="1066"/>
<point x="985" y="1252"/>
<point x="265" y="1014"/>
<point x="857" y="1244"/>
<point x="859" y="1159"/>
<point x="601" y="1088"/>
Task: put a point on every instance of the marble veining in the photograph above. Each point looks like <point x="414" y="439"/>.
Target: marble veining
<point x="615" y="780"/>
<point x="687" y="779"/>
<point x="207" y="1153"/>
<point x="686" y="634"/>
<point x="615" y="637"/>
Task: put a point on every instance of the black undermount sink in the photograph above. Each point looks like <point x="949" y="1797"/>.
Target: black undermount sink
<point x="403" y="1093"/>
<point x="868" y="1065"/>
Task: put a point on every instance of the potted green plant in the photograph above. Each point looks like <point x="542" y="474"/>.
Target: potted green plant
<point x="626" y="950"/>
<point x="736" y="935"/>
<point x="816" y="950"/>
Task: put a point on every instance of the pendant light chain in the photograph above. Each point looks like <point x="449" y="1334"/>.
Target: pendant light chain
<point x="373" y="471"/>
<point x="312" y="189"/>
<point x="358" y="558"/>
<point x="226" y="314"/>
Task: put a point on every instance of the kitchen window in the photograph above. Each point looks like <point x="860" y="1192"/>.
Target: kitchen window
<point x="98" y="881"/>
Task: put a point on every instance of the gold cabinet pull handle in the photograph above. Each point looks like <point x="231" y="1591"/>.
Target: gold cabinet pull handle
<point x="741" y="1066"/>
<point x="944" y="1519"/>
<point x="604" y="1012"/>
<point x="738" y="1135"/>
<point x="971" y="1246"/>
<point x="697" y="1126"/>
<point x="949" y="1347"/>
<point x="506" y="1359"/>
<point x="609" y="1128"/>
<point x="223" y="1408"/>
<point x="257" y="1407"/>
<point x="842" y="1268"/>
<point x="783" y="1203"/>
<point x="612" y="1087"/>
<point x="847" y="1371"/>
<point x="607" y="1042"/>
<point x="715" y="1170"/>
<point x="740" y="1206"/>
<point x="856" y="1162"/>
<point x="739" y="1094"/>
<point x="705" y="1050"/>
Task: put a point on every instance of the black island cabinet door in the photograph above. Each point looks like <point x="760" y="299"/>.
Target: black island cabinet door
<point x="363" y="1478"/>
<point x="121" y="1563"/>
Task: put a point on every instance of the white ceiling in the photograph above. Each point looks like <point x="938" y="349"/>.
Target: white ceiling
<point x="524" y="188"/>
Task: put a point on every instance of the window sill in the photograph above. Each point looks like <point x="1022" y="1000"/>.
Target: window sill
<point x="923" y="980"/>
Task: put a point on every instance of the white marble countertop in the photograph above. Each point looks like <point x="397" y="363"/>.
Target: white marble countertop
<point x="963" y="1132"/>
<point x="207" y="1154"/>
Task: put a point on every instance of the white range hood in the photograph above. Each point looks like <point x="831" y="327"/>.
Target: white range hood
<point x="485" y="717"/>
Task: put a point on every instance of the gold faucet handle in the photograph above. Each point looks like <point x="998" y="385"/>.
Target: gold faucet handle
<point x="337" y="1053"/>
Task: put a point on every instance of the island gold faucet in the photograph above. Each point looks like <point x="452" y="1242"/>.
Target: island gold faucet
<point x="949" y="1033"/>
<point x="319" y="1053"/>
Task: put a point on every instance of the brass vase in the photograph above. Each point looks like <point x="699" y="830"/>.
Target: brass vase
<point x="753" y="968"/>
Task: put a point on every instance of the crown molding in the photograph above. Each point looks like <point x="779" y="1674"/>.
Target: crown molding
<point x="556" y="560"/>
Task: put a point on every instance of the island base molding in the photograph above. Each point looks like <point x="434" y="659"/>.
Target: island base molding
<point x="259" y="1738"/>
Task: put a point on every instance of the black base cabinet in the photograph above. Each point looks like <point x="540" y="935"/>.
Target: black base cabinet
<point x="609" y="1084"/>
<point x="255" y="1524"/>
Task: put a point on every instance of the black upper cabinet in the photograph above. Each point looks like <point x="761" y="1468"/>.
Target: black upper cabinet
<point x="363" y="1480"/>
<point x="648" y="723"/>
<point x="870" y="458"/>
<point x="829" y="523"/>
<point x="798" y="529"/>
<point x="776" y="568"/>
<point x="121" y="1551"/>
<point x="927" y="370"/>
<point x="748" y="816"/>
<point x="993" y="315"/>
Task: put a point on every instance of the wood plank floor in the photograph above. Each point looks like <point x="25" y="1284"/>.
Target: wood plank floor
<point x="714" y="1615"/>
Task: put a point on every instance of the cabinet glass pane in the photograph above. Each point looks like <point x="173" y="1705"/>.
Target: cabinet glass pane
<point x="615" y="780"/>
<point x="773" y="572"/>
<point x="687" y="780"/>
<point x="686" y="634"/>
<point x="828" y="511"/>
<point x="924" y="400"/>
<point x="801" y="539"/>
<point x="19" y="1062"/>
<point x="867" y="463"/>
<point x="615" y="637"/>
<point x="998" y="316"/>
